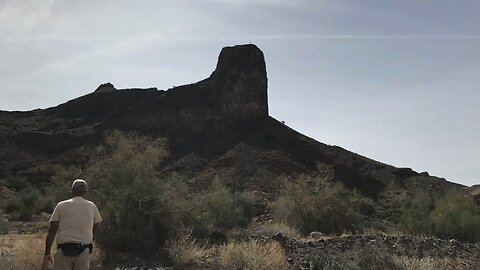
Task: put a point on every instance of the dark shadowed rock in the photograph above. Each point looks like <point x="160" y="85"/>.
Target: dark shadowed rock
<point x="217" y="238"/>
<point x="241" y="79"/>
<point x="424" y="174"/>
<point x="280" y="238"/>
<point x="105" y="88"/>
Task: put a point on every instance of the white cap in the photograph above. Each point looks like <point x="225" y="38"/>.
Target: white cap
<point x="79" y="183"/>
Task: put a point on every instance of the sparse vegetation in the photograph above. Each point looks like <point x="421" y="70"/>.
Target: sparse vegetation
<point x="327" y="262"/>
<point x="24" y="252"/>
<point x="252" y="255"/>
<point x="313" y="204"/>
<point x="450" y="216"/>
<point x="456" y="216"/>
<point x="23" y="247"/>
<point x="226" y="209"/>
<point x="25" y="199"/>
<point x="410" y="263"/>
<point x="14" y="183"/>
<point x="415" y="214"/>
<point x="184" y="250"/>
<point x="24" y="204"/>
<point x="132" y="197"/>
<point x="141" y="209"/>
<point x="372" y="258"/>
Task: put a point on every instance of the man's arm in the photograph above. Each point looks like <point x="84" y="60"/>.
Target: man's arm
<point x="52" y="232"/>
<point x="95" y="229"/>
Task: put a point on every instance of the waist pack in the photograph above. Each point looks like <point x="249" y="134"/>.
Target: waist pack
<point x="74" y="249"/>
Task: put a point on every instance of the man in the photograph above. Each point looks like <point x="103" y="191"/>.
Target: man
<point x="74" y="222"/>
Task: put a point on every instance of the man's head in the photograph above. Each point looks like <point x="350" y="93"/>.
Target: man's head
<point x="79" y="187"/>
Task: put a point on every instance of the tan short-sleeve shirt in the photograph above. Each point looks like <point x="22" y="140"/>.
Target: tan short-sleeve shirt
<point x="76" y="217"/>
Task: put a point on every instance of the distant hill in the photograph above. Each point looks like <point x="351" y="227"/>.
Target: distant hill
<point x="219" y="126"/>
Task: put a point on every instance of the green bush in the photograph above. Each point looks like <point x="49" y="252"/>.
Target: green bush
<point x="15" y="183"/>
<point x="24" y="204"/>
<point x="12" y="205"/>
<point x="450" y="216"/>
<point x="60" y="185"/>
<point x="415" y="214"/>
<point x="224" y="209"/>
<point x="456" y="216"/>
<point x="310" y="205"/>
<point x="139" y="208"/>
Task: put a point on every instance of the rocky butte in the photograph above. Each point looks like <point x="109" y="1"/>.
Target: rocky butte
<point x="217" y="126"/>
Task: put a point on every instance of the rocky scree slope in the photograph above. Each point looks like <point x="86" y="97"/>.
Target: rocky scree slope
<point x="379" y="252"/>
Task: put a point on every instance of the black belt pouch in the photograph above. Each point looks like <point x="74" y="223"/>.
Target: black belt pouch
<point x="74" y="249"/>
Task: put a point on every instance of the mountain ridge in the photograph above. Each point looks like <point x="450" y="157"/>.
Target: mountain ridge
<point x="215" y="122"/>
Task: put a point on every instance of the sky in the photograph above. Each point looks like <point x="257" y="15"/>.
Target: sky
<point x="395" y="81"/>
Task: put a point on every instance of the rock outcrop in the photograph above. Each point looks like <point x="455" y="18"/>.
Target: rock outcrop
<point x="241" y="80"/>
<point x="105" y="88"/>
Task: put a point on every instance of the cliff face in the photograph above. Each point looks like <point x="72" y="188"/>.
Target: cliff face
<point x="241" y="80"/>
<point x="216" y="127"/>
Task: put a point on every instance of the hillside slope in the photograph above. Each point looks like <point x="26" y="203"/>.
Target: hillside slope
<point x="219" y="126"/>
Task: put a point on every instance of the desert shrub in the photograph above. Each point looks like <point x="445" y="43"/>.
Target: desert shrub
<point x="329" y="208"/>
<point x="12" y="204"/>
<point x="371" y="258"/>
<point x="410" y="263"/>
<point x="184" y="250"/>
<point x="226" y="209"/>
<point x="252" y="255"/>
<point x="29" y="200"/>
<point x="59" y="188"/>
<point x="15" y="183"/>
<point x="456" y="216"/>
<point x="24" y="205"/>
<point x="139" y="208"/>
<point x="415" y="215"/>
<point x="325" y="261"/>
<point x="450" y="216"/>
<point x="142" y="209"/>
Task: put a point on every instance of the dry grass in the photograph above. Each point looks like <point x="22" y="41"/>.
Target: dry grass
<point x="184" y="250"/>
<point x="25" y="252"/>
<point x="409" y="263"/>
<point x="252" y="255"/>
<point x="428" y="263"/>
<point x="6" y="252"/>
<point x="98" y="256"/>
<point x="28" y="251"/>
